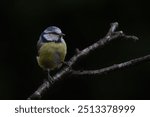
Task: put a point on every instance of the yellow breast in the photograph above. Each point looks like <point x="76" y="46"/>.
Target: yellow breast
<point x="51" y="55"/>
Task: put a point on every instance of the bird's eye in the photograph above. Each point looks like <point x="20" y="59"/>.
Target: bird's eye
<point x="59" y="36"/>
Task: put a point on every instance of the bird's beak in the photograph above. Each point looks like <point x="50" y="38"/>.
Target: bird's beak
<point x="62" y="34"/>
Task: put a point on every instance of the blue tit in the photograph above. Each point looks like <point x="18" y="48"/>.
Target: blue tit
<point x="52" y="49"/>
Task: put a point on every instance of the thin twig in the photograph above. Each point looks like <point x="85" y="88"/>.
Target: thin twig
<point x="113" y="67"/>
<point x="110" y="36"/>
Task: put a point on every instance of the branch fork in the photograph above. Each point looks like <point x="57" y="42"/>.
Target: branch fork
<point x="68" y="69"/>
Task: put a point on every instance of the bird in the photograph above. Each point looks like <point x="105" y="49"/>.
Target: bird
<point x="52" y="50"/>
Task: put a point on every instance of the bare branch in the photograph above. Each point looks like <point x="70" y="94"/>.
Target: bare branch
<point x="110" y="36"/>
<point x="112" y="28"/>
<point x="40" y="91"/>
<point x="113" y="67"/>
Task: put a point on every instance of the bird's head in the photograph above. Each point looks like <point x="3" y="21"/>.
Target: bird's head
<point x="52" y="34"/>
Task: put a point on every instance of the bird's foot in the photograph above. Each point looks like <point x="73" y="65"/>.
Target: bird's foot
<point x="50" y="78"/>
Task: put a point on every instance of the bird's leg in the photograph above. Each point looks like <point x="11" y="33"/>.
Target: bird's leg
<point x="50" y="78"/>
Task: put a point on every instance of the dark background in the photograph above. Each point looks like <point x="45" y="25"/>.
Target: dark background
<point x="83" y="22"/>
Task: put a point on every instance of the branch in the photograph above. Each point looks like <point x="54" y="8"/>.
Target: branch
<point x="66" y="70"/>
<point x="113" y="67"/>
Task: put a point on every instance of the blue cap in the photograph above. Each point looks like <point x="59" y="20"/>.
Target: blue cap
<point x="54" y="30"/>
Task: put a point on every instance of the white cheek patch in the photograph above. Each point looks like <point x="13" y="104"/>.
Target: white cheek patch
<point x="51" y="37"/>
